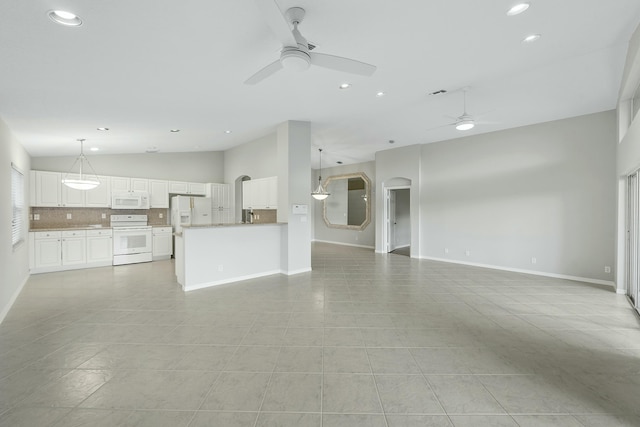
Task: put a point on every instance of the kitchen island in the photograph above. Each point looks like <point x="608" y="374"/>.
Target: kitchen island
<point x="210" y="255"/>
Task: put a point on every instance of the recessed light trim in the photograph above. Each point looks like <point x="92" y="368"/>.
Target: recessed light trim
<point x="531" y="38"/>
<point x="518" y="9"/>
<point x="380" y="94"/>
<point x="345" y="86"/>
<point x="94" y="149"/>
<point x="102" y="129"/>
<point x="174" y="130"/>
<point x="228" y="131"/>
<point x="63" y="17"/>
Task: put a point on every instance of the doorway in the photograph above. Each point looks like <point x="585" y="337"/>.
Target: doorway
<point x="239" y="197"/>
<point x="398" y="220"/>
<point x="633" y="238"/>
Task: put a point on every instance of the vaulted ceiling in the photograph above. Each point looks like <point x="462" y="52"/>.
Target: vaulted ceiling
<point x="144" y="67"/>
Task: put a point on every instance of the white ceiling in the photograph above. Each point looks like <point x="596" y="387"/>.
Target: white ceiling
<point x="143" y="67"/>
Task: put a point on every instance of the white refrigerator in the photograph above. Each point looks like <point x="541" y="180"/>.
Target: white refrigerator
<point x="186" y="210"/>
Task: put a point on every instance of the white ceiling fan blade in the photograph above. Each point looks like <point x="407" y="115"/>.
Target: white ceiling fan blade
<point x="441" y="126"/>
<point x="267" y="71"/>
<point x="277" y="22"/>
<point x="339" y="63"/>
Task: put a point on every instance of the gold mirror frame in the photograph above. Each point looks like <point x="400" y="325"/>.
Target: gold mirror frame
<point x="367" y="185"/>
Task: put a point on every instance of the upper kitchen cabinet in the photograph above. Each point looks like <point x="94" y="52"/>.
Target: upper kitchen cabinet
<point x="194" y="188"/>
<point x="140" y="184"/>
<point x="261" y="193"/>
<point x="120" y="184"/>
<point x="158" y="193"/>
<point x="220" y="196"/>
<point x="47" y="188"/>
<point x="72" y="198"/>
<point x="99" y="197"/>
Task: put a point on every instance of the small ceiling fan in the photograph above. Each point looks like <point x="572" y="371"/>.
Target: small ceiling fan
<point x="464" y="121"/>
<point x="295" y="53"/>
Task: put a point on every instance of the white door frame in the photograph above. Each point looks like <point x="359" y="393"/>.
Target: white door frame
<point x="386" y="226"/>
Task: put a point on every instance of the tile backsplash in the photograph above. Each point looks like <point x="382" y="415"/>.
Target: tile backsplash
<point x="81" y="217"/>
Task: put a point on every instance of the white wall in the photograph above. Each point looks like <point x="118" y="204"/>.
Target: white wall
<point x="205" y="166"/>
<point x="545" y="191"/>
<point x="365" y="237"/>
<point x="14" y="265"/>
<point x="257" y="159"/>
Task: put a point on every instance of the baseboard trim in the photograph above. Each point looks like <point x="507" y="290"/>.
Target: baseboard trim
<point x="344" y="244"/>
<point x="532" y="272"/>
<point x="621" y="291"/>
<point x="230" y="280"/>
<point x="300" y="271"/>
<point x="13" y="299"/>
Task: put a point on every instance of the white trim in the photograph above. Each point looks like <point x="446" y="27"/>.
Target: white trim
<point x="621" y="291"/>
<point x="13" y="299"/>
<point x="230" y="280"/>
<point x="58" y="268"/>
<point x="300" y="271"/>
<point x="533" y="272"/>
<point x="344" y="244"/>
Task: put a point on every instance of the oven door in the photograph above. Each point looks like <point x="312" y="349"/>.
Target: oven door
<point x="131" y="241"/>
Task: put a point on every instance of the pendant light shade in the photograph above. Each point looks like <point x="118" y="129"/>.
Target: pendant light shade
<point x="81" y="181"/>
<point x="320" y="193"/>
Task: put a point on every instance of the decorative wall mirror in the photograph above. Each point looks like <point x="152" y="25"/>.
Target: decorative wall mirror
<point x="349" y="205"/>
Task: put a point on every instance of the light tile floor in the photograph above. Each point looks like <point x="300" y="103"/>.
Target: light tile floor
<point x="363" y="340"/>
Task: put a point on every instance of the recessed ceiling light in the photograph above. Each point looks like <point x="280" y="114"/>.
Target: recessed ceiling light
<point x="531" y="38"/>
<point x="152" y="149"/>
<point x="174" y="130"/>
<point x="65" y="18"/>
<point x="103" y="129"/>
<point x="518" y="9"/>
<point x="380" y="94"/>
<point x="438" y="92"/>
<point x="228" y="131"/>
<point x="94" y="149"/>
<point x="345" y="85"/>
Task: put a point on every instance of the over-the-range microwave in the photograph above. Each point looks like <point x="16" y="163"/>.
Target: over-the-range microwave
<point x="130" y="200"/>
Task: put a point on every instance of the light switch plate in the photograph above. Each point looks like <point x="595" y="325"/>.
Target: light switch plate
<point x="68" y="216"/>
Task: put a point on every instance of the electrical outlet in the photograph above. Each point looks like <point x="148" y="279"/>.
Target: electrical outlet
<point x="160" y="215"/>
<point x="468" y="252"/>
<point x="534" y="260"/>
<point x="607" y="269"/>
<point x="68" y="216"/>
<point x="104" y="216"/>
<point x="220" y="267"/>
<point x="36" y="217"/>
<point x="446" y="250"/>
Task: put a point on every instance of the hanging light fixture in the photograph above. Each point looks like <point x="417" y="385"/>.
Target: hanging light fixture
<point x="82" y="181"/>
<point x="320" y="193"/>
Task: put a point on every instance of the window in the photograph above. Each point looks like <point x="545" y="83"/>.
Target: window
<point x="17" y="203"/>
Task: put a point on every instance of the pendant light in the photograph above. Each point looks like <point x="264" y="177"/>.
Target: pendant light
<point x="83" y="181"/>
<point x="320" y="193"/>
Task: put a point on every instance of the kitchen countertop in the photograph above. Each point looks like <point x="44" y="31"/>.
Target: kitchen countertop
<point x="234" y="224"/>
<point x="82" y="227"/>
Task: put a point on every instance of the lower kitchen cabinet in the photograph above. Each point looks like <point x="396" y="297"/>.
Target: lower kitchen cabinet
<point x="74" y="247"/>
<point x="99" y="246"/>
<point x="47" y="249"/>
<point x="70" y="249"/>
<point x="162" y="243"/>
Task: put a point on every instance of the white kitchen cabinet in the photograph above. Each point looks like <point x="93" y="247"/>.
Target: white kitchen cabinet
<point x="222" y="216"/>
<point x="220" y="196"/>
<point x="99" y="247"/>
<point x="261" y="193"/>
<point x="48" y="249"/>
<point x="72" y="198"/>
<point x="139" y="184"/>
<point x="181" y="187"/>
<point x="99" y="197"/>
<point x="158" y="193"/>
<point x="74" y="247"/>
<point x="162" y="243"/>
<point x="120" y="184"/>
<point x="48" y="188"/>
<point x="32" y="188"/>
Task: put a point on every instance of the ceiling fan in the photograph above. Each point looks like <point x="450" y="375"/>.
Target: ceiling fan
<point x="295" y="53"/>
<point x="465" y="121"/>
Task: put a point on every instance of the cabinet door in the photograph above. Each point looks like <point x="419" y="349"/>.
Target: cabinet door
<point x="99" y="249"/>
<point x="158" y="193"/>
<point x="73" y="250"/>
<point x="139" y="184"/>
<point x="120" y="184"/>
<point x="48" y="253"/>
<point x="99" y="197"/>
<point x="247" y="194"/>
<point x="272" y="192"/>
<point x="197" y="188"/>
<point x="162" y="244"/>
<point x="260" y="193"/>
<point x="48" y="188"/>
<point x="71" y="197"/>
<point x="178" y="187"/>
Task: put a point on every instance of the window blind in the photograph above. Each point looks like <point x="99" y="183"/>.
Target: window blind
<point x="17" y="202"/>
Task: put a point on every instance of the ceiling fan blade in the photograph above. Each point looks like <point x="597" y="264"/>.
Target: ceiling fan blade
<point x="441" y="126"/>
<point x="267" y="71"/>
<point x="339" y="63"/>
<point x="277" y="22"/>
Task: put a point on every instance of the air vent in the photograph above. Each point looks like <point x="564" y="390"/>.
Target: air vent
<point x="311" y="46"/>
<point x="438" y="92"/>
